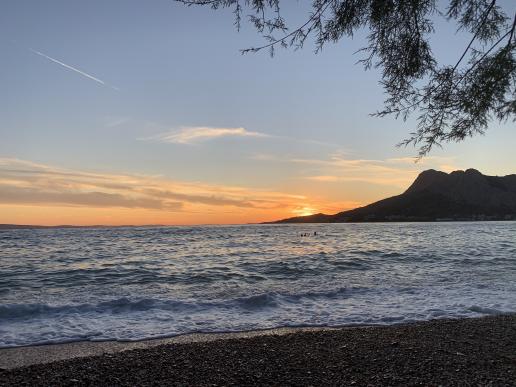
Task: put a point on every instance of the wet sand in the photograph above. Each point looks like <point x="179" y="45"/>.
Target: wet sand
<point x="440" y="352"/>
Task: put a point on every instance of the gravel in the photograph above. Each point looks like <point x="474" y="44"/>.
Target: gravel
<point x="474" y="352"/>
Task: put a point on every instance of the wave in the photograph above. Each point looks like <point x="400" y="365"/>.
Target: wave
<point x="127" y="305"/>
<point x="136" y="283"/>
<point x="486" y="310"/>
<point x="255" y="303"/>
<point x="120" y="305"/>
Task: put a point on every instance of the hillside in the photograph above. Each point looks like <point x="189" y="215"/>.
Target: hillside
<point x="434" y="196"/>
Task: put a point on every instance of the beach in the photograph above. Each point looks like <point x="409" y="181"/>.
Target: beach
<point x="355" y="304"/>
<point x="474" y="351"/>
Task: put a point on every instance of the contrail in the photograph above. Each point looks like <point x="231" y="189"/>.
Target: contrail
<point x="74" y="69"/>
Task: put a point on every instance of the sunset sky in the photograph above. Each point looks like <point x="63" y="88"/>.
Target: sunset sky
<point x="132" y="112"/>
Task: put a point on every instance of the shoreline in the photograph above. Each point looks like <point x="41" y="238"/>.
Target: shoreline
<point x="27" y="355"/>
<point x="43" y="353"/>
<point x="441" y="351"/>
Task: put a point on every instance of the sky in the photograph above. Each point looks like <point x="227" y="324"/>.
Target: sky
<point x="130" y="112"/>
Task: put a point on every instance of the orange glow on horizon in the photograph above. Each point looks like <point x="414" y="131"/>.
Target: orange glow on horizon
<point x="304" y="211"/>
<point x="90" y="216"/>
<point x="40" y="194"/>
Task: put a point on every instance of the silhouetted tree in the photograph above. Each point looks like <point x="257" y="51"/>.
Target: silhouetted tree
<point x="452" y="101"/>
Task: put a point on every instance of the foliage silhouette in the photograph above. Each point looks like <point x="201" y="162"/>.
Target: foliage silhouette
<point x="452" y="102"/>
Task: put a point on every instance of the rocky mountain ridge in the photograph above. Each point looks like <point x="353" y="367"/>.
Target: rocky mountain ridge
<point x="436" y="196"/>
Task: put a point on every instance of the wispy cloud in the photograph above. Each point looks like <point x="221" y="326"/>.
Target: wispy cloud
<point x="84" y="74"/>
<point x="396" y="172"/>
<point x="113" y="122"/>
<point x="27" y="195"/>
<point x="26" y="183"/>
<point x="340" y="167"/>
<point x="323" y="178"/>
<point x="327" y="185"/>
<point x="192" y="135"/>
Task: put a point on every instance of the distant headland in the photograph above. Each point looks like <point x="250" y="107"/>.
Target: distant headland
<point x="435" y="196"/>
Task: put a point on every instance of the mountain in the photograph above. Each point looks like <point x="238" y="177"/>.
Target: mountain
<point x="434" y="196"/>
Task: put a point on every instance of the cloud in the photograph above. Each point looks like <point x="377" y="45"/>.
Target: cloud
<point x="395" y="172"/>
<point x="339" y="167"/>
<point x="331" y="184"/>
<point x="113" y="122"/>
<point x="26" y="183"/>
<point x="191" y="135"/>
<point x="24" y="195"/>
<point x="84" y="74"/>
<point x="209" y="200"/>
<point x="324" y="178"/>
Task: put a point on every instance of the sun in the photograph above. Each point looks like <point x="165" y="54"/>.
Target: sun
<point x="304" y="211"/>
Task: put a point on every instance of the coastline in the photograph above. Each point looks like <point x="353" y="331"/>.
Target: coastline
<point x="462" y="351"/>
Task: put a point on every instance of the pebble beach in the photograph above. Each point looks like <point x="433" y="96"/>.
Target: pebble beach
<point x="476" y="351"/>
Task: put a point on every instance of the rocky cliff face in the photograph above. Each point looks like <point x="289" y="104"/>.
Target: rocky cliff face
<point x="435" y="195"/>
<point x="468" y="186"/>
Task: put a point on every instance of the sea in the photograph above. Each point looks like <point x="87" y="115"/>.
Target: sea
<point x="132" y="283"/>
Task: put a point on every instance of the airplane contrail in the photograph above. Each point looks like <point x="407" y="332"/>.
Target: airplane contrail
<point x="73" y="69"/>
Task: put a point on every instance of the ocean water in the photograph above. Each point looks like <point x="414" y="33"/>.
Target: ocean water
<point x="61" y="285"/>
